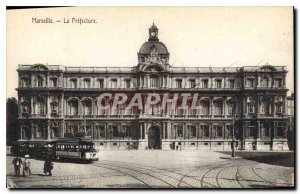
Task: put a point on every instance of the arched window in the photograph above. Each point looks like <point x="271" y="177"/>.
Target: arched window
<point x="218" y="107"/>
<point x="179" y="129"/>
<point x="87" y="107"/>
<point x="73" y="107"/>
<point x="205" y="107"/>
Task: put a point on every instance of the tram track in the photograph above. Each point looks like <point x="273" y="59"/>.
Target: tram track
<point x="113" y="167"/>
<point x="180" y="180"/>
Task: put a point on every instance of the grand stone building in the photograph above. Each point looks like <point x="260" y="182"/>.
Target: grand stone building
<point x="56" y="102"/>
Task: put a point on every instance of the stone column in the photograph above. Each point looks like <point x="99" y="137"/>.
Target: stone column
<point x="31" y="104"/>
<point x="197" y="131"/>
<point x="48" y="131"/>
<point x="32" y="131"/>
<point x="169" y="130"/>
<point x="105" y="131"/>
<point x="163" y="131"/>
<point x="21" y="129"/>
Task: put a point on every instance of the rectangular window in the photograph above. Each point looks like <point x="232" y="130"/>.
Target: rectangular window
<point x="250" y="82"/>
<point x="53" y="82"/>
<point x="101" y="131"/>
<point x="114" y="83"/>
<point x="25" y="82"/>
<point x="178" y="83"/>
<point x="73" y="83"/>
<point x="154" y="82"/>
<point x="87" y="83"/>
<point x="218" y="83"/>
<point x="231" y="83"/>
<point x="39" y="131"/>
<point x="192" y="83"/>
<point x="100" y="83"/>
<point x="205" y="83"/>
<point x="127" y="83"/>
<point x="265" y="82"/>
<point x="278" y="83"/>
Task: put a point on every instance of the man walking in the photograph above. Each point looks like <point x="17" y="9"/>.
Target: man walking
<point x="26" y="166"/>
<point x="17" y="162"/>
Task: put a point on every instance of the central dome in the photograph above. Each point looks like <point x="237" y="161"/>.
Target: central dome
<point x="159" y="46"/>
<point x="153" y="55"/>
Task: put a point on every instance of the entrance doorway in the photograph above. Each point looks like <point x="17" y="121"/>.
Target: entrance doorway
<point x="154" y="138"/>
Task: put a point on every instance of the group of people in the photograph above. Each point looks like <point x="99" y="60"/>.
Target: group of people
<point x="17" y="162"/>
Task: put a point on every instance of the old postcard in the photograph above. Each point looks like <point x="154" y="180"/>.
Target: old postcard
<point x="150" y="97"/>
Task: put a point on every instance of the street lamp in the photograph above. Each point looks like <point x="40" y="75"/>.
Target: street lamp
<point x="232" y="141"/>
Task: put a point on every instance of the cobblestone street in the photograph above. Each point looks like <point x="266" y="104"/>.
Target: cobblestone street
<point x="156" y="169"/>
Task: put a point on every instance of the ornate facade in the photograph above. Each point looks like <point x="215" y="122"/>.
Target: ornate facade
<point x="56" y="101"/>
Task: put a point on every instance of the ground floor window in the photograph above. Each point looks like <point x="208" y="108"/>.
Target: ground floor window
<point x="179" y="129"/>
<point x="205" y="129"/>
<point x="193" y="130"/>
<point x="115" y="131"/>
<point x="218" y="130"/>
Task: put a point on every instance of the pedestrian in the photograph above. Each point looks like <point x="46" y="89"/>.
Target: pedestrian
<point x="48" y="166"/>
<point x="17" y="162"/>
<point x="26" y="166"/>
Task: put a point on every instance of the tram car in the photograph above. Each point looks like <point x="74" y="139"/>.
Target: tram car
<point x="78" y="149"/>
<point x="33" y="149"/>
<point x="75" y="149"/>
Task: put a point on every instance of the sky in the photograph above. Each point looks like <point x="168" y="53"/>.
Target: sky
<point x="194" y="36"/>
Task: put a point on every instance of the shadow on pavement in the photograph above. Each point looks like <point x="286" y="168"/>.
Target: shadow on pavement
<point x="274" y="158"/>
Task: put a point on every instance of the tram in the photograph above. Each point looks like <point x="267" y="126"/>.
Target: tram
<point x="79" y="149"/>
<point x="76" y="149"/>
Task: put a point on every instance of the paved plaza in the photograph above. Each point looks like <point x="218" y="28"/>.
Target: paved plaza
<point x="157" y="169"/>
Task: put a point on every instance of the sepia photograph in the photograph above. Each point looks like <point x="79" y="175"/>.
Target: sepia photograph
<point x="150" y="98"/>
